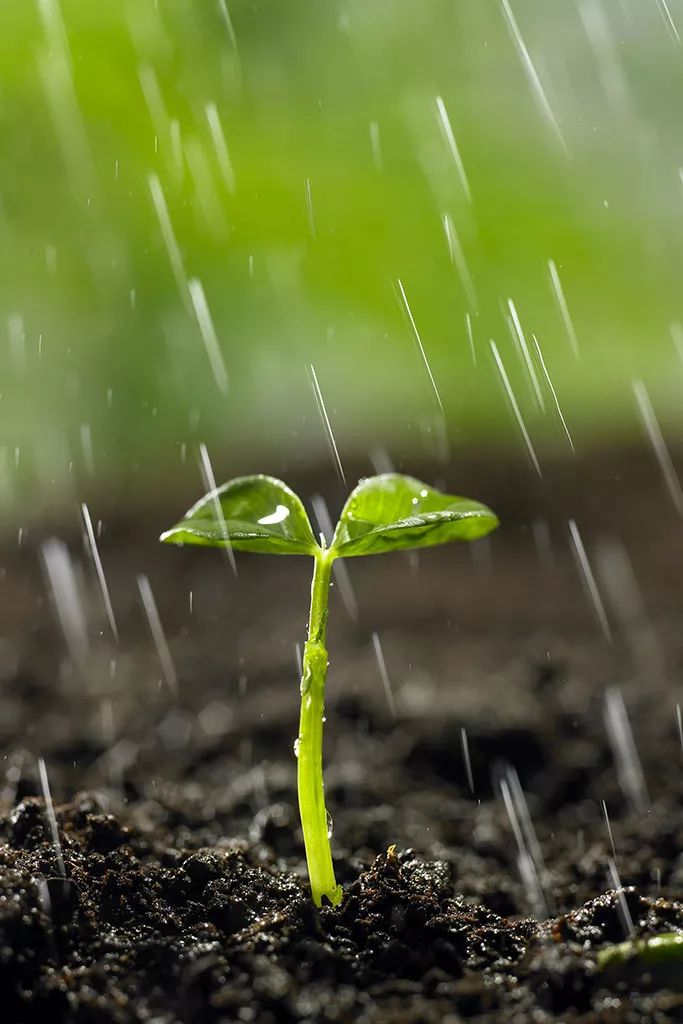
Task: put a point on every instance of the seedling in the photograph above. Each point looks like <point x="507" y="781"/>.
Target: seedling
<point x="383" y="513"/>
<point x="660" y="957"/>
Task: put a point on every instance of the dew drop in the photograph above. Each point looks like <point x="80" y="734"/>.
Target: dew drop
<point x="330" y="825"/>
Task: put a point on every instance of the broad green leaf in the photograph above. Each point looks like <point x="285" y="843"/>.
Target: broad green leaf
<point x="250" y="513"/>
<point x="391" y="511"/>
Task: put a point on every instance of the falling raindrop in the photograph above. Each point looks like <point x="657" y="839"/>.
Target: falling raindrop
<point x="464" y="743"/>
<point x="56" y="72"/>
<point x="210" y="483"/>
<point x="376" y="145"/>
<point x="208" y="333"/>
<point x="223" y="7"/>
<point x="418" y="340"/>
<point x="609" y="829"/>
<point x="458" y="259"/>
<point x="158" y="635"/>
<point x="514" y="405"/>
<point x="668" y="21"/>
<point x="470" y="337"/>
<point x="553" y="393"/>
<point x="588" y="578"/>
<point x="340" y="569"/>
<point x="661" y="451"/>
<point x="220" y="145"/>
<point x="529" y="857"/>
<point x="520" y="340"/>
<point x="601" y="39"/>
<point x="384" y="675"/>
<point x="535" y="82"/>
<point x="154" y="100"/>
<point x="63" y="584"/>
<point x="619" y="581"/>
<point x="326" y="423"/>
<point x="615" y="881"/>
<point x="629" y="769"/>
<point x="449" y="137"/>
<point x="169" y="237"/>
<point x="51" y="816"/>
<point x="381" y="461"/>
<point x="309" y="208"/>
<point x="562" y="306"/>
<point x="97" y="561"/>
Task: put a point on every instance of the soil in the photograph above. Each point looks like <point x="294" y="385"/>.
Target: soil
<point x="479" y="888"/>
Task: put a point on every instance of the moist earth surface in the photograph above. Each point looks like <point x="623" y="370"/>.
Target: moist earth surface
<point x="505" y="787"/>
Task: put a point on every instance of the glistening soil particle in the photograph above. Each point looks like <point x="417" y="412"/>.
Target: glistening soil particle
<point x="475" y="891"/>
<point x="140" y="932"/>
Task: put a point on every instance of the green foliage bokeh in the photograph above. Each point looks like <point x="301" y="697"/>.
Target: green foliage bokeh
<point x="338" y="177"/>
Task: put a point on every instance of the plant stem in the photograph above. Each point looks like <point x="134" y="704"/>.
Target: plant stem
<point x="310" y="743"/>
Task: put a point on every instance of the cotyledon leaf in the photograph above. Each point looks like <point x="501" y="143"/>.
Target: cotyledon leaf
<point x="250" y="513"/>
<point x="392" y="511"/>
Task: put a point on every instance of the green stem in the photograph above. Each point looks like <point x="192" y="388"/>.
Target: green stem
<point x="310" y="743"/>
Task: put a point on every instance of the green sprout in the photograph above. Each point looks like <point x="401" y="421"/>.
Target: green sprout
<point x="383" y="513"/>
<point x="661" y="956"/>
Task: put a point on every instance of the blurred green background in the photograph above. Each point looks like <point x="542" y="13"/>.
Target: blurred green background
<point x="201" y="200"/>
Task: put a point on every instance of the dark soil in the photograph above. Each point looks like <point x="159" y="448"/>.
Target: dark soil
<point x="483" y="896"/>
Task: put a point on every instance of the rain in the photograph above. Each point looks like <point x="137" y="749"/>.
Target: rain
<point x="514" y="405"/>
<point x="320" y="402"/>
<point x="418" y="341"/>
<point x="384" y="675"/>
<point x="50" y="811"/>
<point x="562" y="307"/>
<point x="589" y="581"/>
<point x="101" y="578"/>
<point x="157" y="631"/>
<point x="64" y="586"/>
<point x="252" y="256"/>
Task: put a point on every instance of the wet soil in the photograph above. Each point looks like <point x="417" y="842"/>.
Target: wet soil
<point x="510" y="808"/>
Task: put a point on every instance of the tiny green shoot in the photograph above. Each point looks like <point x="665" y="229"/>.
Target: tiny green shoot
<point x="383" y="513"/>
<point x="651" y="951"/>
